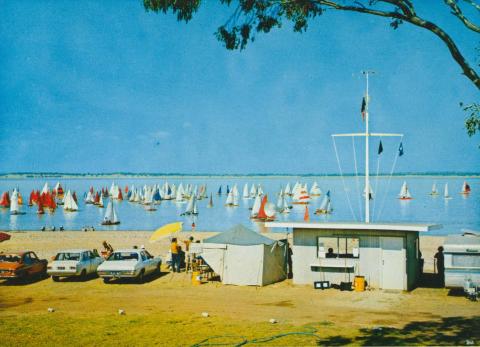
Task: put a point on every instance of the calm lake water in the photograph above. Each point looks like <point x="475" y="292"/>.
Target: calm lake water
<point x="460" y="212"/>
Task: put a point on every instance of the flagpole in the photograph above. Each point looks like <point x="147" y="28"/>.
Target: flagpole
<point x="367" y="162"/>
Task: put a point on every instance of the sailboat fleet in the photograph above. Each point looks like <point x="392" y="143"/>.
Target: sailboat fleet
<point x="151" y="196"/>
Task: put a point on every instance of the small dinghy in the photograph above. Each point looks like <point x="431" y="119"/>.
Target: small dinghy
<point x="404" y="192"/>
<point x="111" y="217"/>
<point x="325" y="206"/>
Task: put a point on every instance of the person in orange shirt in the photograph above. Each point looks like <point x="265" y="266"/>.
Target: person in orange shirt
<point x="175" y="249"/>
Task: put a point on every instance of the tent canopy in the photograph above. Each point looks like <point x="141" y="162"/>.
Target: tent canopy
<point x="241" y="236"/>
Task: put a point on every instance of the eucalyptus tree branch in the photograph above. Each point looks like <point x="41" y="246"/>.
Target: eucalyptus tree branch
<point x="417" y="21"/>
<point x="473" y="3"/>
<point x="457" y="12"/>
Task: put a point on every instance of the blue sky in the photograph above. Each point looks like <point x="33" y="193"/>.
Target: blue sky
<point x="104" y="86"/>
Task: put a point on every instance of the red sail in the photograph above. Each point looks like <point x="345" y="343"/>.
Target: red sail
<point x="126" y="189"/>
<point x="40" y="207"/>
<point x="120" y="196"/>
<point x="96" y="201"/>
<point x="261" y="212"/>
<point x="5" y="200"/>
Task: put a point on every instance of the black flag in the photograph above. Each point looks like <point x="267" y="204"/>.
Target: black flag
<point x="364" y="104"/>
<point x="400" y="149"/>
<point x="380" y="148"/>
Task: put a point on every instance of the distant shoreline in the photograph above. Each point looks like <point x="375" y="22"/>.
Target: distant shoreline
<point x="121" y="175"/>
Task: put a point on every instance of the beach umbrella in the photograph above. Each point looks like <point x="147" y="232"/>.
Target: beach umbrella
<point x="166" y="231"/>
<point x="4" y="237"/>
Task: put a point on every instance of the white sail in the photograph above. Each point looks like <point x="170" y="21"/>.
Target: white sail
<point x="269" y="210"/>
<point x="280" y="199"/>
<point x="246" y="195"/>
<point x="445" y="193"/>
<point x="115" y="216"/>
<point x="434" y="189"/>
<point x="89" y="199"/>
<point x="253" y="191"/>
<point x="287" y="189"/>
<point x="324" y="204"/>
<point x="256" y="206"/>
<point x="195" y="210"/>
<point x="14" y="207"/>
<point x="285" y="207"/>
<point x="109" y="213"/>
<point x="100" y="202"/>
<point x="315" y="190"/>
<point x="235" y="199"/>
<point x="46" y="188"/>
<point x="229" y="200"/>
<point x="190" y="205"/>
<point x="259" y="190"/>
<point x="69" y="203"/>
<point x="404" y="193"/>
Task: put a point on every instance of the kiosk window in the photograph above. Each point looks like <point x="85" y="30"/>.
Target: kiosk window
<point x="338" y="247"/>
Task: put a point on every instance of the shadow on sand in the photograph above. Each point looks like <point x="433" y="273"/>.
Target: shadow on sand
<point x="448" y="331"/>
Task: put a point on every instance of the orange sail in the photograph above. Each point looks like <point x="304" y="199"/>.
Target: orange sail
<point x="120" y="196"/>
<point x="261" y="212"/>
<point x="31" y="200"/>
<point x="306" y="216"/>
<point x="126" y="189"/>
<point x="20" y="199"/>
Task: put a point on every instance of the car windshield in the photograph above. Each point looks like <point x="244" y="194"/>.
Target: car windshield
<point x="10" y="258"/>
<point x="123" y="256"/>
<point x="68" y="256"/>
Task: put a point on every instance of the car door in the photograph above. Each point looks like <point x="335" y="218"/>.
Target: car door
<point x="147" y="262"/>
<point x="27" y="264"/>
<point x="37" y="265"/>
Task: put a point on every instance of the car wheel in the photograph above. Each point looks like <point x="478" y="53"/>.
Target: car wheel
<point x="141" y="276"/>
<point x="106" y="279"/>
<point x="55" y="278"/>
<point x="83" y="274"/>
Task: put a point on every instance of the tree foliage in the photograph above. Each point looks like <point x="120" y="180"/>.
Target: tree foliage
<point x="252" y="17"/>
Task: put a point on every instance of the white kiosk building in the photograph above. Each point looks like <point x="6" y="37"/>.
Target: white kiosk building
<point x="387" y="255"/>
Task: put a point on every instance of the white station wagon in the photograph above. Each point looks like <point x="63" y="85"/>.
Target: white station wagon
<point x="129" y="263"/>
<point x="74" y="262"/>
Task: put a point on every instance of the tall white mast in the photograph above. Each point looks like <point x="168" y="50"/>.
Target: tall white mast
<point x="367" y="164"/>
<point x="367" y="135"/>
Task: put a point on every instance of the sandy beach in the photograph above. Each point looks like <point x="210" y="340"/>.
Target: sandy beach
<point x="167" y="308"/>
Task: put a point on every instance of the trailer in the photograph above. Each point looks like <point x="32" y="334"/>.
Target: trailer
<point x="462" y="260"/>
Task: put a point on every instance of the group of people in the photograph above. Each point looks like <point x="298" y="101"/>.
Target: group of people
<point x="180" y="257"/>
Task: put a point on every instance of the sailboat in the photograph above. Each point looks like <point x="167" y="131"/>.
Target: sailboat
<point x="210" y="203"/>
<point x="111" y="217"/>
<point x="465" y="188"/>
<point x="219" y="190"/>
<point x="325" y="206"/>
<point x="5" y="200"/>
<point x="90" y="198"/>
<point x="246" y="194"/>
<point x="14" y="206"/>
<point x="253" y="191"/>
<point x="445" y="193"/>
<point x="40" y="209"/>
<point x="282" y="204"/>
<point x="191" y="206"/>
<point x="315" y="190"/>
<point x="300" y="195"/>
<point x="229" y="201"/>
<point x="256" y="207"/>
<point x="69" y="204"/>
<point x="100" y="203"/>
<point x="434" y="191"/>
<point x="404" y="192"/>
<point x="287" y="190"/>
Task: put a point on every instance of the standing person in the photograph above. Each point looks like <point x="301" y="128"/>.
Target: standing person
<point x="175" y="255"/>
<point x="187" y="252"/>
<point x="440" y="266"/>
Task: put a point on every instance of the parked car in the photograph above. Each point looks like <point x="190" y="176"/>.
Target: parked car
<point x="74" y="262"/>
<point x="129" y="263"/>
<point x="22" y="265"/>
